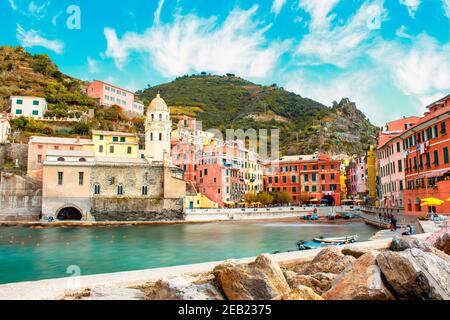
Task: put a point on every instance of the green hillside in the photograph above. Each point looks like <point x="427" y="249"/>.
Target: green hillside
<point x="230" y="102"/>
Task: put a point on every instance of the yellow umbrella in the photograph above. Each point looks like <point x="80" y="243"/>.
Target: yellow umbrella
<point x="314" y="200"/>
<point x="431" y="202"/>
<point x="448" y="199"/>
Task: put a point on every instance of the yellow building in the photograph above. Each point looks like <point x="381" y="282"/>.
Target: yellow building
<point x="200" y="201"/>
<point x="111" y="144"/>
<point x="343" y="178"/>
<point x="371" y="173"/>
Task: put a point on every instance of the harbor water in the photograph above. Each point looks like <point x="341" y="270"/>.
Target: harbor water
<point x="32" y="254"/>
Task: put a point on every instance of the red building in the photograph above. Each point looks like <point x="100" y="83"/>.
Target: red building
<point x="305" y="177"/>
<point x="426" y="159"/>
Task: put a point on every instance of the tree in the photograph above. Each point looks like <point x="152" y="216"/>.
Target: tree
<point x="81" y="127"/>
<point x="19" y="123"/>
<point x="264" y="197"/>
<point x="281" y="197"/>
<point x="250" y="197"/>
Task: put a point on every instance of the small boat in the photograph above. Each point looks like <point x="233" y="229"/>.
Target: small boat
<point x="337" y="240"/>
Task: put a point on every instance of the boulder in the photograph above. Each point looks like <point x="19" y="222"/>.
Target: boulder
<point x="258" y="280"/>
<point x="186" y="288"/>
<point x="354" y="252"/>
<point x="319" y="282"/>
<point x="301" y="293"/>
<point x="404" y="243"/>
<point x="362" y="281"/>
<point x="115" y="293"/>
<point x="443" y="243"/>
<point x="415" y="274"/>
<point x="329" y="260"/>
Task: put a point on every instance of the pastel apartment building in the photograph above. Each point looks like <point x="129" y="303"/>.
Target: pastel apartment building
<point x="107" y="95"/>
<point x="427" y="159"/>
<point x="109" y="144"/>
<point x="39" y="146"/>
<point x="357" y="175"/>
<point x="30" y="107"/>
<point x="305" y="178"/>
<point x="390" y="168"/>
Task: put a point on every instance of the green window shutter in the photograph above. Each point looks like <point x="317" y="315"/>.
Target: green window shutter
<point x="19" y="101"/>
<point x="18" y="111"/>
<point x="122" y="139"/>
<point x="35" y="102"/>
<point x="35" y="112"/>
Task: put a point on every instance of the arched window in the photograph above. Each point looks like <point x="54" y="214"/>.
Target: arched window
<point x="144" y="190"/>
<point x="61" y="159"/>
<point x="160" y="136"/>
<point x="153" y="117"/>
<point x="151" y="136"/>
<point x="96" y="188"/>
<point x="160" y="117"/>
<point x="120" y="189"/>
<point x="82" y="160"/>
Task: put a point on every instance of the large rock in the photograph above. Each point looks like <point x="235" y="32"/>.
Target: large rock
<point x="186" y="288"/>
<point x="258" y="280"/>
<point x="319" y="282"/>
<point x="443" y="243"/>
<point x="115" y="293"/>
<point x="301" y="293"/>
<point x="415" y="274"/>
<point x="404" y="243"/>
<point x="329" y="260"/>
<point x="354" y="252"/>
<point x="362" y="281"/>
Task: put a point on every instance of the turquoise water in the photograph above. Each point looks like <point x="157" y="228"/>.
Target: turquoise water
<point x="33" y="254"/>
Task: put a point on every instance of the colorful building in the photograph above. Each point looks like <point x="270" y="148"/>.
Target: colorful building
<point x="39" y="146"/>
<point x="111" y="144"/>
<point x="31" y="107"/>
<point x="357" y="186"/>
<point x="390" y="167"/>
<point x="371" y="174"/>
<point x="107" y="95"/>
<point x="305" y="178"/>
<point x="427" y="161"/>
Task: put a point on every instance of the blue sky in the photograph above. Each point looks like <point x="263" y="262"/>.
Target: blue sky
<point x="391" y="57"/>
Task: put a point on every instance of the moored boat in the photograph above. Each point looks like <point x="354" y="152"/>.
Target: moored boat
<point x="346" y="239"/>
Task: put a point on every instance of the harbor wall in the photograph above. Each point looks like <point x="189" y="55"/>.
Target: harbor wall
<point x="58" y="288"/>
<point x="250" y="213"/>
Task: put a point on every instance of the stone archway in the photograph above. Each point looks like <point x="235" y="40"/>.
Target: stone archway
<point x="69" y="213"/>
<point x="329" y="200"/>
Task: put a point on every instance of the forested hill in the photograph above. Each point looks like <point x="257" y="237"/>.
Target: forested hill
<point x="232" y="102"/>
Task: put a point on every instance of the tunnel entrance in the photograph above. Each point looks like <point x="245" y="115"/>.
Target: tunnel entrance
<point x="69" y="213"/>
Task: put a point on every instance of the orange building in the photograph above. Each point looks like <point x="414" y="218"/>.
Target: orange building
<point x="427" y="159"/>
<point x="305" y="177"/>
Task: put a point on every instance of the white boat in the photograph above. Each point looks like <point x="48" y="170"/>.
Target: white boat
<point x="337" y="239"/>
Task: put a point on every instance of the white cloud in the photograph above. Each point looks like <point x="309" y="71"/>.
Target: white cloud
<point x="341" y="44"/>
<point x="93" y="65"/>
<point x="421" y="68"/>
<point x="33" y="38"/>
<point x="319" y="10"/>
<point x="13" y="5"/>
<point x="402" y="32"/>
<point x="446" y="4"/>
<point x="190" y="43"/>
<point x="277" y="5"/>
<point x="157" y="15"/>
<point x="411" y="5"/>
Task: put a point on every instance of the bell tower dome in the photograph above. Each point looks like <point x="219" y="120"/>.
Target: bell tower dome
<point x="158" y="127"/>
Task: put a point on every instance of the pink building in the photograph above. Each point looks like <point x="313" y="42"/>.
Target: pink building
<point x="390" y="168"/>
<point x="38" y="147"/>
<point x="107" y="94"/>
<point x="357" y="175"/>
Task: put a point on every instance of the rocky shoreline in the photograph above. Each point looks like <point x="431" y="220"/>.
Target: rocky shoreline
<point x="409" y="269"/>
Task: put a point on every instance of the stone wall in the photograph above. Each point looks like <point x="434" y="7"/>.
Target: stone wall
<point x="13" y="152"/>
<point x="136" y="209"/>
<point x="20" y="198"/>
